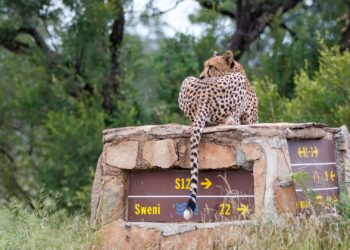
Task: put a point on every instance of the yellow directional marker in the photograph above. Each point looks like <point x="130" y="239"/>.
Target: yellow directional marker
<point x="332" y="175"/>
<point x="243" y="209"/>
<point x="326" y="175"/>
<point x="206" y="184"/>
<point x="300" y="152"/>
<point x="316" y="177"/>
<point x="335" y="199"/>
<point x="314" y="151"/>
<point x="319" y="199"/>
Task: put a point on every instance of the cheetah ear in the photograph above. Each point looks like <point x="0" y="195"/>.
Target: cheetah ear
<point x="228" y="56"/>
<point x="215" y="53"/>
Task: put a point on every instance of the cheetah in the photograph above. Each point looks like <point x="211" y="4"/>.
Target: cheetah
<point x="222" y="95"/>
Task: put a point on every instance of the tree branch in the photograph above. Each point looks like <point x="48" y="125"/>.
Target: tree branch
<point x="344" y="42"/>
<point x="8" y="156"/>
<point x="157" y="12"/>
<point x="291" y="32"/>
<point x="35" y="35"/>
<point x="9" y="41"/>
<point x="209" y="5"/>
<point x="11" y="44"/>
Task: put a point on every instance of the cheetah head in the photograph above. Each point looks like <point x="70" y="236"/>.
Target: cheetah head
<point x="220" y="65"/>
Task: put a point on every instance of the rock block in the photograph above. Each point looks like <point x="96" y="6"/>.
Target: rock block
<point x="160" y="153"/>
<point x="213" y="156"/>
<point x="119" y="236"/>
<point x="123" y="155"/>
<point x="112" y="200"/>
<point x="259" y="173"/>
<point x="285" y="199"/>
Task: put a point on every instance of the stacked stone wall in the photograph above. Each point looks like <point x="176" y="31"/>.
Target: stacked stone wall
<point x="260" y="148"/>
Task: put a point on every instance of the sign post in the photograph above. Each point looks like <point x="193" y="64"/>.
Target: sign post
<point x="317" y="159"/>
<point x="162" y="196"/>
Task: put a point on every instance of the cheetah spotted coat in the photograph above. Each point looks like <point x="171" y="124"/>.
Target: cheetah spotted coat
<point x="214" y="100"/>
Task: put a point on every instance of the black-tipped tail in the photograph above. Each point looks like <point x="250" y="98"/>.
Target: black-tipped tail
<point x="191" y="206"/>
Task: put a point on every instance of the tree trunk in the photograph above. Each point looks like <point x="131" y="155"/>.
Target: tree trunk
<point x="111" y="86"/>
<point x="344" y="42"/>
<point x="251" y="23"/>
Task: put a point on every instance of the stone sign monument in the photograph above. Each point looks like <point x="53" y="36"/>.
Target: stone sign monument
<point x="142" y="180"/>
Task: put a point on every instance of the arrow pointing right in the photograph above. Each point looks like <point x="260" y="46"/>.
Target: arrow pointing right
<point x="243" y="209"/>
<point x="206" y="184"/>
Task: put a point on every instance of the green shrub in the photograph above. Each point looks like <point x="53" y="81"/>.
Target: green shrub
<point x="324" y="96"/>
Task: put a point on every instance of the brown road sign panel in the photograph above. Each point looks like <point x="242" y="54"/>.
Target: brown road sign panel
<point x="162" y="196"/>
<point x="311" y="151"/>
<point x="317" y="159"/>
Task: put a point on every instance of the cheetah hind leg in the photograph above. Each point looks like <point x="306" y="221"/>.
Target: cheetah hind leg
<point x="196" y="133"/>
<point x="232" y="120"/>
<point x="250" y="116"/>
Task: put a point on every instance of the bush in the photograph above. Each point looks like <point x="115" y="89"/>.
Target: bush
<point x="322" y="97"/>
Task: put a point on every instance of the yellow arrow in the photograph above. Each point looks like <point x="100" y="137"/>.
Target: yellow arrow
<point x="326" y="175"/>
<point x="207" y="183"/>
<point x="243" y="209"/>
<point x="335" y="199"/>
<point x="316" y="176"/>
<point x="332" y="175"/>
<point x="315" y="151"/>
<point x="319" y="199"/>
<point x="300" y="152"/>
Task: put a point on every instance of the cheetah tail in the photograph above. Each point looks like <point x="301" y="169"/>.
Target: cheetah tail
<point x="196" y="133"/>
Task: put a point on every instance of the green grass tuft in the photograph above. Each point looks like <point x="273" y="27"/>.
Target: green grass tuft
<point x="24" y="228"/>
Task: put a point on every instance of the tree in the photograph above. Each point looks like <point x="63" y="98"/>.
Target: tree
<point x="25" y="28"/>
<point x="60" y="79"/>
<point x="251" y="19"/>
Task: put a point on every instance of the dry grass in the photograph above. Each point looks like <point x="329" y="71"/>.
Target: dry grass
<point x="22" y="228"/>
<point x="302" y="233"/>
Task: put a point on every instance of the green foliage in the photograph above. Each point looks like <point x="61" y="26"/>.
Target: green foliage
<point x="301" y="178"/>
<point x="292" y="39"/>
<point x="47" y="137"/>
<point x="51" y="113"/>
<point x="343" y="207"/>
<point x="175" y="59"/>
<point x="323" y="97"/>
<point x="270" y="102"/>
<point x="23" y="228"/>
<point x="71" y="150"/>
<point x="152" y="79"/>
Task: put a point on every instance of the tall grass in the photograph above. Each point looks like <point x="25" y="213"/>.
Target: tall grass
<point x="303" y="233"/>
<point x="24" y="228"/>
